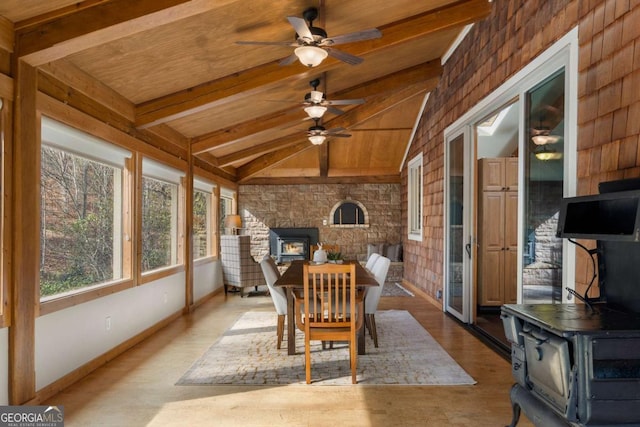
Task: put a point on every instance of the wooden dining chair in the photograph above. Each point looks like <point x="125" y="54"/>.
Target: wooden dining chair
<point x="331" y="295"/>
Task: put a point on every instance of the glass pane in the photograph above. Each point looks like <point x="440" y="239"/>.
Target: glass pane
<point x="77" y="223"/>
<point x="456" y="238"/>
<point x="201" y="215"/>
<point x="159" y="224"/>
<point x="543" y="186"/>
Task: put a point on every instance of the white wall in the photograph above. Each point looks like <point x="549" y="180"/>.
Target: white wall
<point x="4" y="366"/>
<point x="206" y="279"/>
<point x="68" y="339"/>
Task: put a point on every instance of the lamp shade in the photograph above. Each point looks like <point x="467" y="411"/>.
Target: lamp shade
<point x="317" y="139"/>
<point x="315" y="111"/>
<point x="232" y="221"/>
<point x="311" y="56"/>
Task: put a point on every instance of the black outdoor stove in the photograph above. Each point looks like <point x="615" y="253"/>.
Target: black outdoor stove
<point x="579" y="364"/>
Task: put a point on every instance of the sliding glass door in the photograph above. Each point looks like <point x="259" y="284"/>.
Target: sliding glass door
<point x="459" y="250"/>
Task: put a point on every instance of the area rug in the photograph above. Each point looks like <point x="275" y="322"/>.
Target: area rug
<point x="395" y="289"/>
<point x="246" y="355"/>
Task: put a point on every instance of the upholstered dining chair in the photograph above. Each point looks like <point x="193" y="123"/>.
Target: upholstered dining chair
<point x="278" y="296"/>
<point x="379" y="270"/>
<point x="331" y="292"/>
<point x="372" y="260"/>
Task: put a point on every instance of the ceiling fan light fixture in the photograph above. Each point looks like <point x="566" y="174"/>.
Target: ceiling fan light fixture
<point x="545" y="154"/>
<point x="311" y="56"/>
<point x="317" y="139"/>
<point x="315" y="111"/>
<point x="545" y="139"/>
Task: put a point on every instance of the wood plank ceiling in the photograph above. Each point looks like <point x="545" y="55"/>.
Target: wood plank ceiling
<point x="170" y="73"/>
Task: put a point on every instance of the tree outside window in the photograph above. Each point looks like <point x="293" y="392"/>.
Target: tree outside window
<point x="77" y="223"/>
<point x="159" y="224"/>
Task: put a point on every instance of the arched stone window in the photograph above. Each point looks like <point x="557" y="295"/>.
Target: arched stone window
<point x="349" y="214"/>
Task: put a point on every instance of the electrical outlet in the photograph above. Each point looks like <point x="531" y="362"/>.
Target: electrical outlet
<point x="439" y="294"/>
<point x="107" y="323"/>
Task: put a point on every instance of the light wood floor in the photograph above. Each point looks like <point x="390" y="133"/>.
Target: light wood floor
<point x="137" y="388"/>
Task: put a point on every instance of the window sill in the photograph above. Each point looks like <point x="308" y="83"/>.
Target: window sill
<point x="153" y="275"/>
<point x="82" y="296"/>
<point x="349" y="226"/>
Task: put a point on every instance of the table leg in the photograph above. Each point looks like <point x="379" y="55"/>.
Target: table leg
<point x="361" y="339"/>
<point x="291" y="323"/>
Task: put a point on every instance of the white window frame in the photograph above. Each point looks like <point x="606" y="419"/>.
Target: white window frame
<point x="158" y="171"/>
<point x="209" y="189"/>
<point x="415" y="215"/>
<point x="59" y="136"/>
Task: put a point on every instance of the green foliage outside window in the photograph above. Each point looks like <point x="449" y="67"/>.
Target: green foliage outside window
<point x="159" y="223"/>
<point x="77" y="227"/>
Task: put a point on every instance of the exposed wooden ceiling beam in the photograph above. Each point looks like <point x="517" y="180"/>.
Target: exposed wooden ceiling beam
<point x="107" y="21"/>
<point x="362" y="179"/>
<point x="6" y="34"/>
<point x="256" y="150"/>
<point x="240" y="132"/>
<point x="373" y="107"/>
<point x="377" y="105"/>
<point x="270" y="159"/>
<point x="255" y="80"/>
<point x="78" y="80"/>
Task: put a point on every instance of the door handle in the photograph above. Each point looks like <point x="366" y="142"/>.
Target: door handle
<point x="467" y="248"/>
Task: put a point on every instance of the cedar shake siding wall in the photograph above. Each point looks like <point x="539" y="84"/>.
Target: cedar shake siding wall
<point x="496" y="48"/>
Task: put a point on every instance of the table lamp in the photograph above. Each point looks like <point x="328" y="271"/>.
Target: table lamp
<point x="234" y="222"/>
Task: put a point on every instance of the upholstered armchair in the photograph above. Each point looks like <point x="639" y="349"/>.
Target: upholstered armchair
<point x="239" y="269"/>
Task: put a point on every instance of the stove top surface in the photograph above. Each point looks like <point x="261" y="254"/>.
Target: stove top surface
<point x="576" y="318"/>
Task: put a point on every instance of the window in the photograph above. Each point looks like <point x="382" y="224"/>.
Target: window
<point x="414" y="208"/>
<point x="202" y="219"/>
<point x="161" y="236"/>
<point x="227" y="202"/>
<point x="349" y="214"/>
<point x="81" y="211"/>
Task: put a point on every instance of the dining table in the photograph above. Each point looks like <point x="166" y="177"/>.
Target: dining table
<point x="292" y="280"/>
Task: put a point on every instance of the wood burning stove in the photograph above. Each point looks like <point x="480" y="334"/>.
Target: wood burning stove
<point x="579" y="364"/>
<point x="293" y="247"/>
<point x="287" y="244"/>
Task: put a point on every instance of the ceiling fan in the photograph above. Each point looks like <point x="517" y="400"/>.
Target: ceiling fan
<point x="317" y="133"/>
<point x="316" y="104"/>
<point x="312" y="44"/>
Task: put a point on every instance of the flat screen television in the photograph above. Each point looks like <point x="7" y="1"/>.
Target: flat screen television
<point x="608" y="216"/>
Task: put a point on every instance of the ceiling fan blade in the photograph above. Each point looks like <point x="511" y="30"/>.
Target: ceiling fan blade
<point x="335" y="110"/>
<point x="373" y="33"/>
<point x="267" y="43"/>
<point x="344" y="56"/>
<point x="334" y="130"/>
<point x="288" y="60"/>
<point x="346" y="101"/>
<point x="339" y="135"/>
<point x="301" y="27"/>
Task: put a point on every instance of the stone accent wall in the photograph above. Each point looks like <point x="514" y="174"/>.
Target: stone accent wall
<point x="273" y="206"/>
<point x="495" y="49"/>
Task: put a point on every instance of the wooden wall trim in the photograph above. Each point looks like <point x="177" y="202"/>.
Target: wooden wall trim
<point x="6" y="87"/>
<point x="6" y="220"/>
<point x="81" y="372"/>
<point x="57" y="110"/>
<point x="26" y="238"/>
